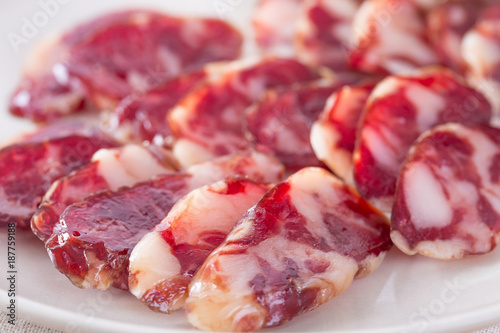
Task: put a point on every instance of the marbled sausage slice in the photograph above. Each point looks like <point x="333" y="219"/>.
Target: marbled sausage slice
<point x="163" y="263"/>
<point x="448" y="198"/>
<point x="208" y="122"/>
<point x="110" y="169"/>
<point x="324" y="33"/>
<point x="280" y="123"/>
<point x="389" y="36"/>
<point x="300" y="246"/>
<point x="92" y="242"/>
<point x="333" y="136"/>
<point x="398" y="111"/>
<point x="28" y="169"/>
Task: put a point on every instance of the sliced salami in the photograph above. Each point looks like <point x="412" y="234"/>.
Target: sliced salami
<point x="300" y="246"/>
<point x="92" y="242"/>
<point x="274" y="33"/>
<point x="389" y="36"/>
<point x="110" y="169"/>
<point x="209" y="121"/>
<point x="280" y="123"/>
<point x="333" y="136"/>
<point x="398" y="111"/>
<point x="324" y="33"/>
<point x="143" y="117"/>
<point x="448" y="198"/>
<point x="481" y="52"/>
<point x="97" y="56"/>
<point x="28" y="170"/>
<point x="163" y="263"/>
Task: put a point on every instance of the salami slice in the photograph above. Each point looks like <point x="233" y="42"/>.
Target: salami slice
<point x="333" y="136"/>
<point x="398" y="111"/>
<point x="389" y="36"/>
<point x="209" y="121"/>
<point x="281" y="121"/>
<point x="448" y="198"/>
<point x="481" y="51"/>
<point x="300" y="246"/>
<point x="274" y="22"/>
<point x="324" y="33"/>
<point x="97" y="56"/>
<point x="143" y="117"/>
<point x="163" y="263"/>
<point x="110" y="169"/>
<point x="92" y="242"/>
<point x="446" y="27"/>
<point x="28" y="170"/>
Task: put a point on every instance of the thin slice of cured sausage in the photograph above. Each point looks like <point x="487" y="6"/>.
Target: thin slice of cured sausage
<point x="280" y="123"/>
<point x="92" y="242"/>
<point x="324" y="33"/>
<point x="448" y="198"/>
<point x="110" y="169"/>
<point x="300" y="246"/>
<point x="481" y="52"/>
<point x="28" y="170"/>
<point x="274" y="23"/>
<point x="143" y="117"/>
<point x="209" y="121"/>
<point x="389" y="36"/>
<point x="446" y="27"/>
<point x="333" y="135"/>
<point x="110" y="57"/>
<point x="398" y="111"/>
<point x="163" y="263"/>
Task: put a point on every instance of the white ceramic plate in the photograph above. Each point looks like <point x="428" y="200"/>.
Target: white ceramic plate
<point x="406" y="294"/>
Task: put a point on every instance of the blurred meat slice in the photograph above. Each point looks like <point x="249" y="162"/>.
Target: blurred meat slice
<point x="299" y="247"/>
<point x="163" y="263"/>
<point x="92" y="242"/>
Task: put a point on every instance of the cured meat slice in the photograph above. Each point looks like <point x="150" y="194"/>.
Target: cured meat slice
<point x="142" y="117"/>
<point x="446" y="27"/>
<point x="398" y="111"/>
<point x="163" y="263"/>
<point x="98" y="57"/>
<point x="333" y="136"/>
<point x="481" y="52"/>
<point x="28" y="170"/>
<point x="389" y="36"/>
<point x="209" y="121"/>
<point x="300" y="246"/>
<point x="324" y="33"/>
<point x="274" y="22"/>
<point x="110" y="169"/>
<point x="281" y="121"/>
<point x="92" y="242"/>
<point x="448" y="198"/>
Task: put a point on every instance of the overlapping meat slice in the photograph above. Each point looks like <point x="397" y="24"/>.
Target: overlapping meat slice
<point x="209" y="121"/>
<point x="92" y="242"/>
<point x="143" y="117"/>
<point x="398" y="111"/>
<point x="448" y="198"/>
<point x="300" y="246"/>
<point x="281" y="121"/>
<point x="389" y="36"/>
<point x="110" y="169"/>
<point x="446" y="27"/>
<point x="163" y="263"/>
<point x="274" y="22"/>
<point x="29" y="168"/>
<point x="333" y="136"/>
<point x="481" y="52"/>
<point x="112" y="56"/>
<point x="324" y="33"/>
